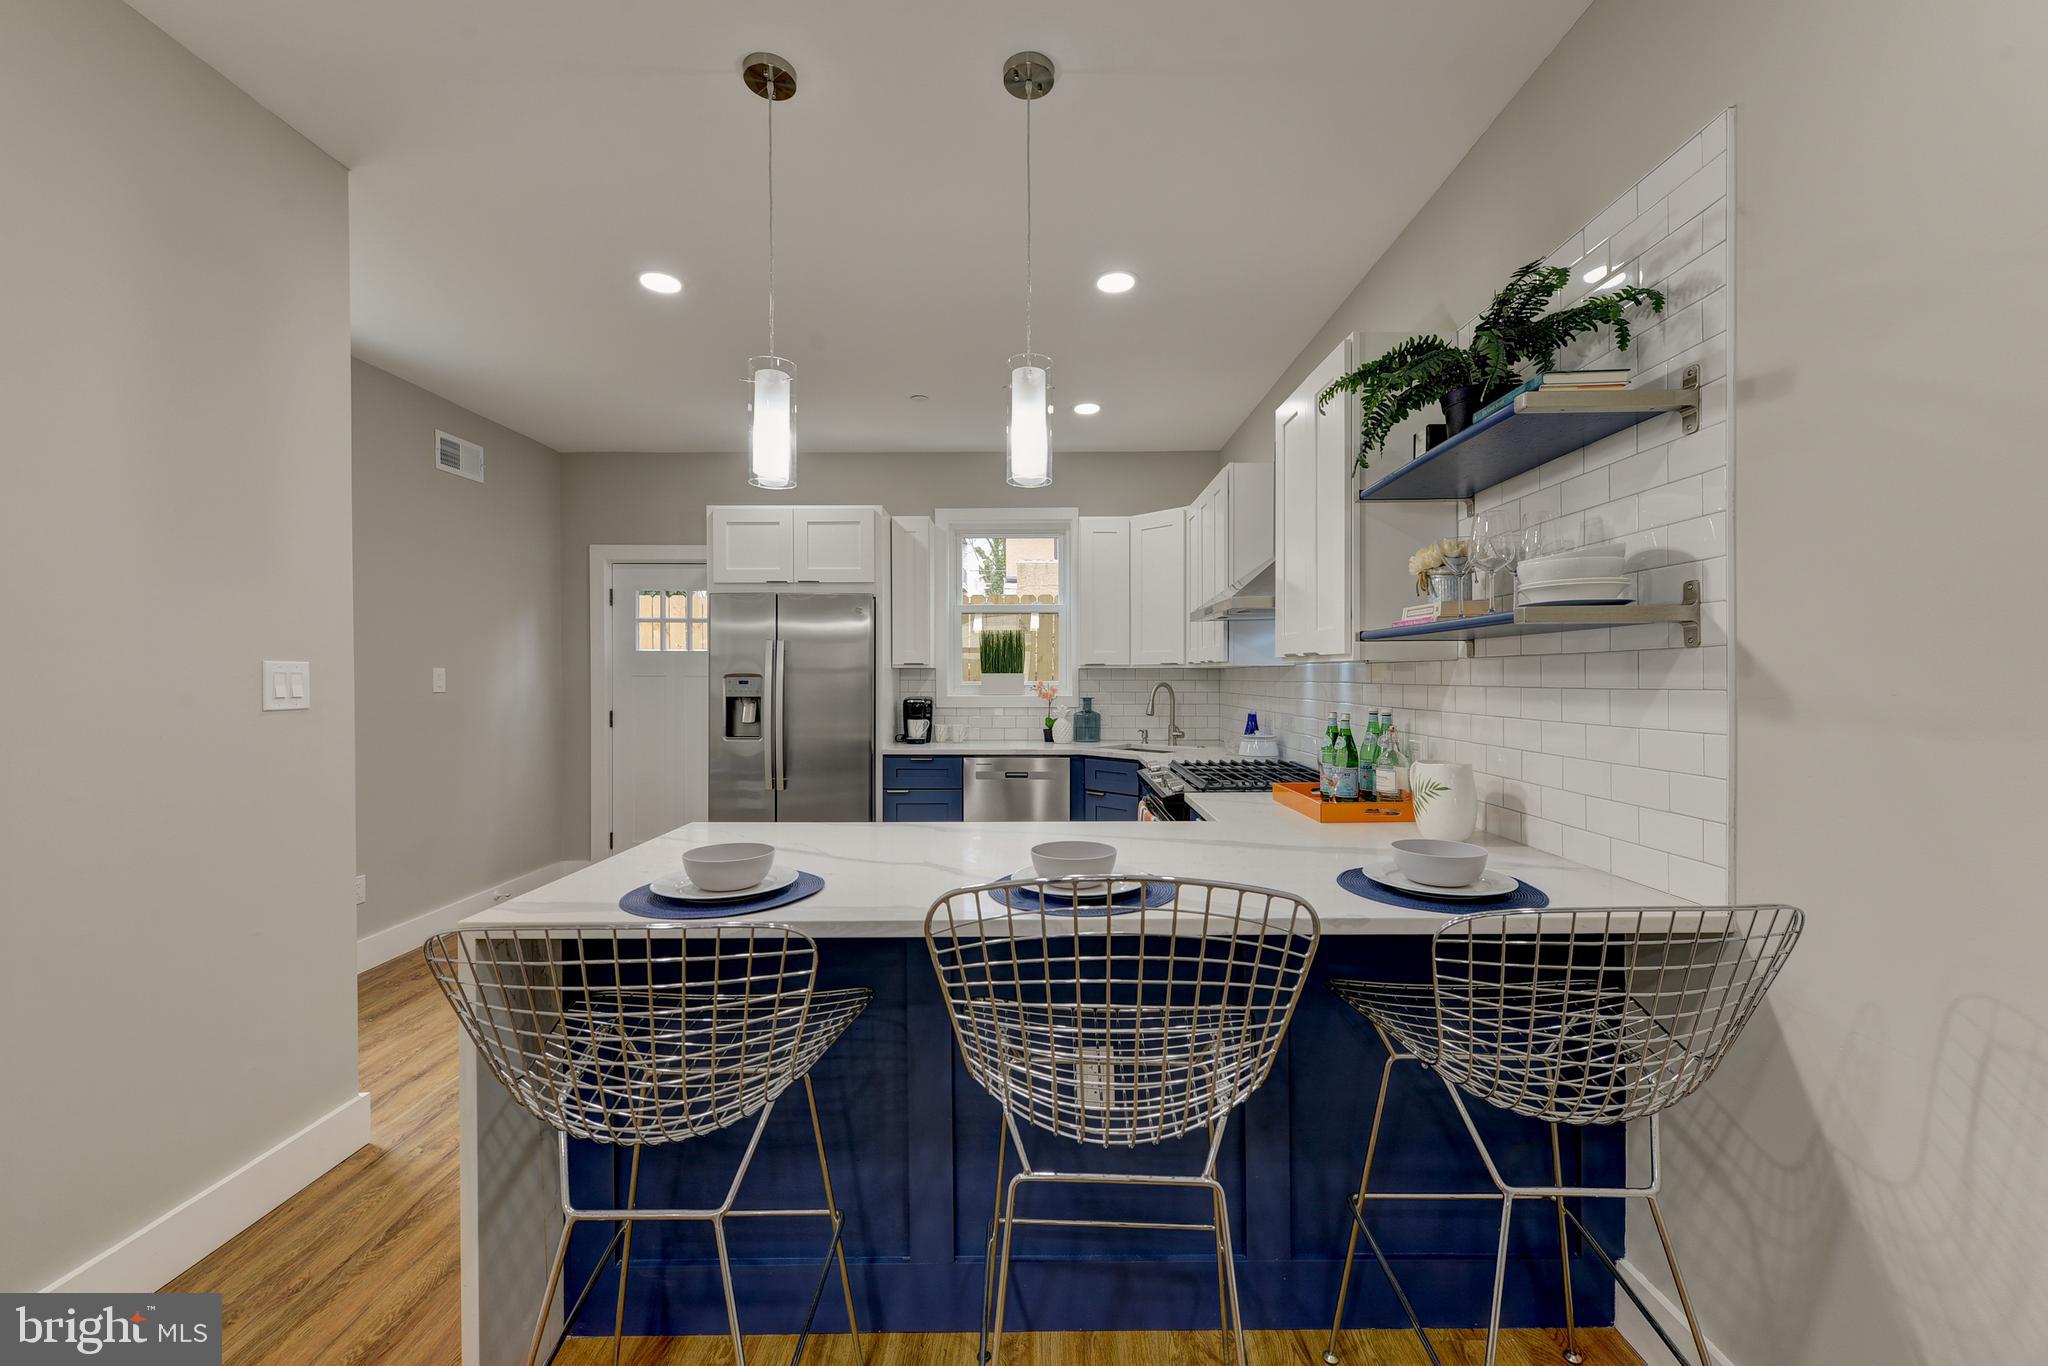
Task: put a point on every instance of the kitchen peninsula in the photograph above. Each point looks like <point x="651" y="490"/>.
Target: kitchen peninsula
<point x="913" y="1140"/>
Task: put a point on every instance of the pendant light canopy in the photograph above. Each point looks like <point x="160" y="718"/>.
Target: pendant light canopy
<point x="771" y="379"/>
<point x="1028" y="76"/>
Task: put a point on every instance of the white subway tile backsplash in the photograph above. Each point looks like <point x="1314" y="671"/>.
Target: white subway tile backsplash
<point x="1650" y="867"/>
<point x="1672" y="750"/>
<point x="1694" y="795"/>
<point x="1609" y="747"/>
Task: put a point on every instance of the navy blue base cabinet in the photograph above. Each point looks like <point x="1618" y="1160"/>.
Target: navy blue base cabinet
<point x="1106" y="790"/>
<point x="915" y="788"/>
<point x="913" y="1146"/>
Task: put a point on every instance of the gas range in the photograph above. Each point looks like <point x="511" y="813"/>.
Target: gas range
<point x="1224" y="775"/>
<point x="1239" y="775"/>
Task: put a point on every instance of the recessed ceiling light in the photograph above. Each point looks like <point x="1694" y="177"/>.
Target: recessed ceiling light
<point x="1116" y="282"/>
<point x="660" y="282"/>
<point x="1087" y="409"/>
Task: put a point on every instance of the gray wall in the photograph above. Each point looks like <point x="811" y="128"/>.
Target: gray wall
<point x="1864" y="1182"/>
<point x="177" y="986"/>
<point x="460" y="791"/>
<point x="630" y="499"/>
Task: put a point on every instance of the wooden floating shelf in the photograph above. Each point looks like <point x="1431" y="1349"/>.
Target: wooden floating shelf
<point x="1531" y="621"/>
<point x="1538" y="428"/>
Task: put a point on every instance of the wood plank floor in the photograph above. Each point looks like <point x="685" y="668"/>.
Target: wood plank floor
<point x="363" y="1265"/>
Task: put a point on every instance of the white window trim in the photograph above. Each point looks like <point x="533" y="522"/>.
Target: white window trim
<point x="949" y="525"/>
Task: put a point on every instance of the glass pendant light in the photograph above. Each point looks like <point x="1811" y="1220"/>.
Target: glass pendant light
<point x="771" y="379"/>
<point x="1028" y="465"/>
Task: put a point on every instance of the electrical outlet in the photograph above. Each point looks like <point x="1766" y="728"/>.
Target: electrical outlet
<point x="362" y="888"/>
<point x="1094" y="1081"/>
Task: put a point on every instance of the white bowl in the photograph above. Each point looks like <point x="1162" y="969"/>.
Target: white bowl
<point x="1073" y="858"/>
<point x="1440" y="863"/>
<point x="1584" y="566"/>
<point x="728" y="867"/>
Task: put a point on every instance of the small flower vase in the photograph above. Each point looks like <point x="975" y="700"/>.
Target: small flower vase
<point x="1446" y="800"/>
<point x="1446" y="585"/>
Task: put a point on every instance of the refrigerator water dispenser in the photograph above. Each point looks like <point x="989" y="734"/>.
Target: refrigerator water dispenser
<point x="743" y="706"/>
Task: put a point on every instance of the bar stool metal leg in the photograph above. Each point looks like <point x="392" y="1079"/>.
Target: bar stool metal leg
<point x="1372" y="1143"/>
<point x="547" y="1299"/>
<point x="839" y="1243"/>
<point x="625" y="1258"/>
<point x="1500" y="1277"/>
<point x="1572" y="1355"/>
<point x="995" y="1347"/>
<point x="1699" y="1340"/>
<point x="1236" y="1317"/>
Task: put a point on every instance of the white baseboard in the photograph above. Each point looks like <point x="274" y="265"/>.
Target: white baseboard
<point x="176" y="1239"/>
<point x="406" y="936"/>
<point x="1637" y="1332"/>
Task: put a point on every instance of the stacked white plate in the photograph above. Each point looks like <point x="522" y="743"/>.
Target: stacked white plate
<point x="1582" y="576"/>
<point x="1604" y="590"/>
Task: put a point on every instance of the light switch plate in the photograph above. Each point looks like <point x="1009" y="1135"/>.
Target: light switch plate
<point x="440" y="680"/>
<point x="287" y="685"/>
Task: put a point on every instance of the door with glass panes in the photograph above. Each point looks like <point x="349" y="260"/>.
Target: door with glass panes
<point x="661" y="637"/>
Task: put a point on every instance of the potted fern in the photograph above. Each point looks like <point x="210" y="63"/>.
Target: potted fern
<point x="1002" y="661"/>
<point x="1514" y="331"/>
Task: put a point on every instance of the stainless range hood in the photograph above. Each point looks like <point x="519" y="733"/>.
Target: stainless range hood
<point x="1250" y="601"/>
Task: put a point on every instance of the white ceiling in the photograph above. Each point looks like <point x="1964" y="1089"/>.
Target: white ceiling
<point x="516" y="163"/>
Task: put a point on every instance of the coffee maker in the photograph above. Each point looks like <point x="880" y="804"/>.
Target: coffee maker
<point x="917" y="721"/>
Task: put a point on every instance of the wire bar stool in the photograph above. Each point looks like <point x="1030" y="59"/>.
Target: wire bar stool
<point x="1117" y="1030"/>
<point x="1573" y="1018"/>
<point x="647" y="1036"/>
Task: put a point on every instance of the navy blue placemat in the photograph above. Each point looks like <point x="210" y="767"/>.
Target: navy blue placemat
<point x="642" y="901"/>
<point x="1525" y="897"/>
<point x="1027" y="899"/>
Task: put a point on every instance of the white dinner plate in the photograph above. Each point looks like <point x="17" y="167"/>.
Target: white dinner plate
<point x="1092" y="891"/>
<point x="1491" y="884"/>
<point x="678" y="887"/>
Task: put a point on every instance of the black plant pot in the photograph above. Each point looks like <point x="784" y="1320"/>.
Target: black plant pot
<point x="1459" y="405"/>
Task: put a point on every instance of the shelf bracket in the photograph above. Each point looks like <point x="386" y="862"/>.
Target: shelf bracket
<point x="1691" y="598"/>
<point x="1689" y="415"/>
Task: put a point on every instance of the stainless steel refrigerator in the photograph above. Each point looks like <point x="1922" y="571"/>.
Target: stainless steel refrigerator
<point x="792" y="707"/>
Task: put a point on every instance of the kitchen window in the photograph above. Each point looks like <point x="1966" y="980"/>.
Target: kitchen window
<point x="672" y="621"/>
<point x="1002" y="571"/>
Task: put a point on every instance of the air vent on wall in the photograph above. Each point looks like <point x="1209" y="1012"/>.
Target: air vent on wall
<point x="456" y="456"/>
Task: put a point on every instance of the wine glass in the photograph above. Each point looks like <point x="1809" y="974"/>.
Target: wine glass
<point x="1495" y="540"/>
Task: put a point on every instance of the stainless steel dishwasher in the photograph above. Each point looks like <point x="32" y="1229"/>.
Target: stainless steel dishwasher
<point x="1013" y="788"/>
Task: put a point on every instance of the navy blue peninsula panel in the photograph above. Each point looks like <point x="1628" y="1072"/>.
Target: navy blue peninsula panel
<point x="913" y="1147"/>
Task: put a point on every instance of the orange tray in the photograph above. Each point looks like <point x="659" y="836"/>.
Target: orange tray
<point x="1305" y="798"/>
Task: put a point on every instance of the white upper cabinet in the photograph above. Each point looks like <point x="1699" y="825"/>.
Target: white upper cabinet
<point x="835" y="545"/>
<point x="1159" y="601"/>
<point x="910" y="593"/>
<point x="771" y="544"/>
<point x="1103" y="596"/>
<point x="1314" y="504"/>
<point x="753" y="545"/>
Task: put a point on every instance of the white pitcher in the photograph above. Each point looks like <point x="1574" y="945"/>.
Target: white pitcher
<point x="1446" y="800"/>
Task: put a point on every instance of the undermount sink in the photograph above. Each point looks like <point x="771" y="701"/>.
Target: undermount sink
<point x="1148" y="749"/>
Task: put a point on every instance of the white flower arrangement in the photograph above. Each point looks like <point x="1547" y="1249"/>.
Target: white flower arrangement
<point x="1436" y="555"/>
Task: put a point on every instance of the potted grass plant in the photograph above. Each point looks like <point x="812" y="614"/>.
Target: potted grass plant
<point x="1002" y="661"/>
<point x="1513" y="339"/>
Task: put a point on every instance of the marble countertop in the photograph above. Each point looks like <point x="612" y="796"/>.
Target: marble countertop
<point x="881" y="879"/>
<point x="1108" y="749"/>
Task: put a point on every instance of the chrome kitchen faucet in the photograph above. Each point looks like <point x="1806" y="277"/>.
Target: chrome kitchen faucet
<point x="1174" y="734"/>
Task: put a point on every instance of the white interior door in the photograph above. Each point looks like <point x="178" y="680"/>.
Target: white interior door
<point x="660" y="640"/>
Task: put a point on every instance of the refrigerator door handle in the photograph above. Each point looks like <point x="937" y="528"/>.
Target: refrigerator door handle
<point x="769" y="720"/>
<point x="781" y="759"/>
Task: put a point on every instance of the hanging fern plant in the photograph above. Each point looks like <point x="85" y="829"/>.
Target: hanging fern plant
<point x="1513" y="332"/>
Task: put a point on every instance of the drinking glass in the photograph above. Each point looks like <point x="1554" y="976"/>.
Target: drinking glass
<point x="1495" y="540"/>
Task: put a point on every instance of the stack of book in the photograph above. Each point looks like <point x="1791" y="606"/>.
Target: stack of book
<point x="1424" y="612"/>
<point x="1556" y="379"/>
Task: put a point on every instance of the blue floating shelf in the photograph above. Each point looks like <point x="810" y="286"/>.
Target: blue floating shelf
<point x="1531" y="621"/>
<point x="1538" y="428"/>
